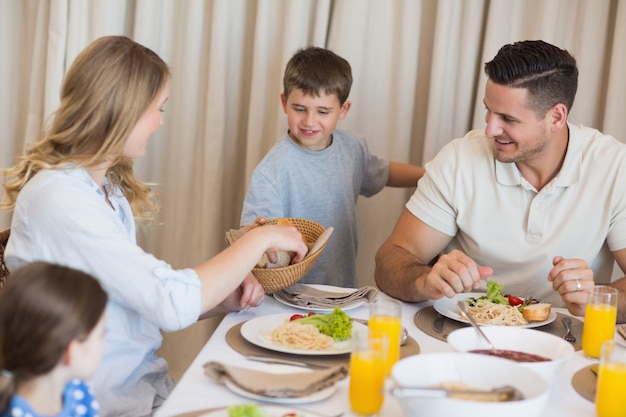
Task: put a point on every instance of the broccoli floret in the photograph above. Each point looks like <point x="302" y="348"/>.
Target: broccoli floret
<point x="336" y="324"/>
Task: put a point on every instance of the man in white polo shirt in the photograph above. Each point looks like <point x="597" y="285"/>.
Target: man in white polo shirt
<point x="532" y="201"/>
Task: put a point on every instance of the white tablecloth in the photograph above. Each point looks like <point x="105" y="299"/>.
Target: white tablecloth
<point x="195" y="391"/>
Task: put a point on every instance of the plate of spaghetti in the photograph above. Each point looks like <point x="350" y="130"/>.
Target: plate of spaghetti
<point x="277" y="333"/>
<point x="487" y="313"/>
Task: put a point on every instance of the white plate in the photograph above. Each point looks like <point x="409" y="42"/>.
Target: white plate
<point x="257" y="331"/>
<point x="316" y="396"/>
<point x="447" y="307"/>
<point x="273" y="410"/>
<point x="354" y="304"/>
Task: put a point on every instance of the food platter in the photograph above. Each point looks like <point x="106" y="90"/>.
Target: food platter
<point x="272" y="410"/>
<point x="447" y="307"/>
<point x="316" y="396"/>
<point x="257" y="331"/>
<point x="330" y="288"/>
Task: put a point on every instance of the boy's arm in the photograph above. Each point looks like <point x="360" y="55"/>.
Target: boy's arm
<point x="404" y="175"/>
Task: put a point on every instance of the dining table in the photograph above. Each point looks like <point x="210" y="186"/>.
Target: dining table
<point x="195" y="391"/>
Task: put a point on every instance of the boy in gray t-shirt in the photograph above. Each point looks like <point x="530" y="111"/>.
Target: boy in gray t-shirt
<point x="317" y="172"/>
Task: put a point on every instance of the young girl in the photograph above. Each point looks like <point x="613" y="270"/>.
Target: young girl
<point x="51" y="336"/>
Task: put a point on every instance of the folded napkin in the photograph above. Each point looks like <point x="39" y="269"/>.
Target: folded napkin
<point x="282" y="385"/>
<point x="306" y="296"/>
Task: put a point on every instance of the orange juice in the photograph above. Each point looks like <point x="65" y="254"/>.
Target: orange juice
<point x="367" y="381"/>
<point x="389" y="325"/>
<point x="599" y="326"/>
<point x="611" y="389"/>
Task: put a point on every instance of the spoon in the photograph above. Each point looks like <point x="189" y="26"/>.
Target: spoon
<point x="404" y="336"/>
<point x="465" y="310"/>
<point x="504" y="393"/>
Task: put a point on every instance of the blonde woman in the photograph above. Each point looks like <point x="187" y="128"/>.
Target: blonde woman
<point x="75" y="196"/>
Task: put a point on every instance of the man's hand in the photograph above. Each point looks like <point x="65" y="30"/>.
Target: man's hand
<point x="453" y="273"/>
<point x="572" y="278"/>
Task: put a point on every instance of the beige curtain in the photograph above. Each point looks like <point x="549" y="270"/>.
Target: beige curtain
<point x="418" y="82"/>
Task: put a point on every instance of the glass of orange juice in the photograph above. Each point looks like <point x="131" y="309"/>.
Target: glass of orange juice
<point x="611" y="385"/>
<point x="600" y="316"/>
<point x="385" y="317"/>
<point x="367" y="373"/>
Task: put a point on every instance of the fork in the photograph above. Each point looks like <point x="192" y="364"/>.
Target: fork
<point x="621" y="329"/>
<point x="567" y="322"/>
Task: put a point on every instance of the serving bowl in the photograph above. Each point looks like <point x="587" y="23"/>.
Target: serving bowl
<point x="518" y="339"/>
<point x="478" y="371"/>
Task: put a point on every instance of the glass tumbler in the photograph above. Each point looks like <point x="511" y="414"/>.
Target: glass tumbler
<point x="367" y="373"/>
<point x="385" y="317"/>
<point x="600" y="316"/>
<point x="611" y="385"/>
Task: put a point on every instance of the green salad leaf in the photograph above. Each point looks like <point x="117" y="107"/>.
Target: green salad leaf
<point x="494" y="293"/>
<point x="336" y="324"/>
<point x="247" y="410"/>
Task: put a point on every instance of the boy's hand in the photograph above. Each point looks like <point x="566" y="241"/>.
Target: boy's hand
<point x="257" y="222"/>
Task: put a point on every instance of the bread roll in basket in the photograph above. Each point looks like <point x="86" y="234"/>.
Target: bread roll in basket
<point x="277" y="278"/>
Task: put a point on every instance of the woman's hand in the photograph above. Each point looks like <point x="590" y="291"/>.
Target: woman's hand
<point x="251" y="291"/>
<point x="223" y="288"/>
<point x="249" y="294"/>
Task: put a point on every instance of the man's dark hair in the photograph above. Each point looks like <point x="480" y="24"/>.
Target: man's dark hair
<point x="548" y="73"/>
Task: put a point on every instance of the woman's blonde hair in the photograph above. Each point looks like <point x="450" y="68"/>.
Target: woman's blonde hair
<point x="105" y="92"/>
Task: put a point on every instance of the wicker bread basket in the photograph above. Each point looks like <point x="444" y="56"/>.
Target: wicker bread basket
<point x="274" y="279"/>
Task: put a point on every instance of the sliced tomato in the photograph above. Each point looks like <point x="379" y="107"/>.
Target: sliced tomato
<point x="513" y="300"/>
<point x="310" y="313"/>
<point x="295" y="317"/>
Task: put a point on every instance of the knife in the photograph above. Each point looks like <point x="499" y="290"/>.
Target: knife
<point x="438" y="323"/>
<point x="267" y="359"/>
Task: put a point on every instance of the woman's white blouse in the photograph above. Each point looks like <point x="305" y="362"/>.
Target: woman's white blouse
<point x="61" y="216"/>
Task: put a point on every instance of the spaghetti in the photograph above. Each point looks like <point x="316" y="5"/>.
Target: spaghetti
<point x="301" y="336"/>
<point x="487" y="312"/>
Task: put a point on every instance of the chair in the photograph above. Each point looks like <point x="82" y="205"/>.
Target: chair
<point x="4" y="272"/>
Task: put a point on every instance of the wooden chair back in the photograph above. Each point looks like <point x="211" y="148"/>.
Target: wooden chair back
<point x="4" y="272"/>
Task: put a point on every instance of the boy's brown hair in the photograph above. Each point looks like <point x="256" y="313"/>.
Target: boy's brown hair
<point x="314" y="70"/>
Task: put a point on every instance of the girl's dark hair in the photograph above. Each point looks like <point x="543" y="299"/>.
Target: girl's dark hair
<point x="548" y="73"/>
<point x="43" y="308"/>
<point x="315" y="70"/>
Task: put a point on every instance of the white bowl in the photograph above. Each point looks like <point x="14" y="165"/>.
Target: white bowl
<point x="478" y="371"/>
<point x="523" y="340"/>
